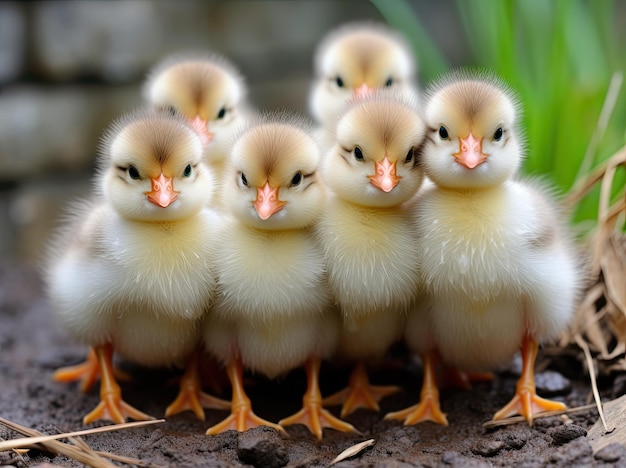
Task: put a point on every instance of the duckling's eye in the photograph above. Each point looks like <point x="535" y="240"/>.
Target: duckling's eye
<point x="497" y="136"/>
<point x="133" y="172"/>
<point x="244" y="181"/>
<point x="389" y="82"/>
<point x="221" y="113"/>
<point x="443" y="133"/>
<point x="358" y="154"/>
<point x="187" y="171"/>
<point x="339" y="82"/>
<point x="409" y="156"/>
<point x="296" y="179"/>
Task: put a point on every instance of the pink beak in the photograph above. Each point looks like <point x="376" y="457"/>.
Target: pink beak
<point x="362" y="91"/>
<point x="385" y="177"/>
<point x="267" y="202"/>
<point x="470" y="152"/>
<point x="202" y="129"/>
<point x="162" y="193"/>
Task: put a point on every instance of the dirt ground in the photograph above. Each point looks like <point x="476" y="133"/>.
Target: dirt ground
<point x="32" y="346"/>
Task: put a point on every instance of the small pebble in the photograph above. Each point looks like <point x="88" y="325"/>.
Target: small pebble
<point x="611" y="453"/>
<point x="516" y="439"/>
<point x="550" y="383"/>
<point x="566" y="433"/>
<point x="576" y="453"/>
<point x="488" y="448"/>
<point x="262" y="447"/>
<point x="455" y="459"/>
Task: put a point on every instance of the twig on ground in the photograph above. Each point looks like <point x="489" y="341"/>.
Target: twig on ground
<point x="519" y="419"/>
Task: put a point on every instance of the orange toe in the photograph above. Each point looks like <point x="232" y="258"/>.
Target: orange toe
<point x="111" y="406"/>
<point x="312" y="415"/>
<point x="316" y="418"/>
<point x="526" y="402"/>
<point x="190" y="397"/>
<point x="359" y="393"/>
<point x="241" y="417"/>
<point x="427" y="409"/>
<point x="87" y="372"/>
<point x="114" y="409"/>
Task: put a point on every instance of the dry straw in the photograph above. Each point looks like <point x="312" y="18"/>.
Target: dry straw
<point x="78" y="449"/>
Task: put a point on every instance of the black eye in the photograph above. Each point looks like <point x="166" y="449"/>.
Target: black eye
<point x="443" y="133"/>
<point x="244" y="181"/>
<point x="221" y="113"/>
<point x="498" y="134"/>
<point x="389" y="82"/>
<point x="409" y="155"/>
<point x="187" y="171"/>
<point x="358" y="154"/>
<point x="133" y="172"/>
<point x="339" y="82"/>
<point x="296" y="179"/>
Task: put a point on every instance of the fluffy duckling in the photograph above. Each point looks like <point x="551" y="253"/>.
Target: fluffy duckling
<point x="499" y="268"/>
<point x="131" y="272"/>
<point x="209" y="92"/>
<point x="355" y="59"/>
<point x="368" y="235"/>
<point x="274" y="311"/>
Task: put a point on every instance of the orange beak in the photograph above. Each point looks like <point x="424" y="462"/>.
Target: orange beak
<point x="470" y="152"/>
<point x="385" y="177"/>
<point x="267" y="202"/>
<point x="201" y="127"/>
<point x="362" y="91"/>
<point x="162" y="193"/>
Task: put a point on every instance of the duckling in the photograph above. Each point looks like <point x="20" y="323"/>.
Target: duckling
<point x="131" y="272"/>
<point x="498" y="264"/>
<point x="373" y="172"/>
<point x="209" y="91"/>
<point x="274" y="311"/>
<point x="353" y="60"/>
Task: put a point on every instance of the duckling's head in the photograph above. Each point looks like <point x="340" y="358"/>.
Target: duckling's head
<point x="473" y="140"/>
<point x="272" y="177"/>
<point x="207" y="90"/>
<point x="150" y="167"/>
<point x="355" y="59"/>
<point x="375" y="158"/>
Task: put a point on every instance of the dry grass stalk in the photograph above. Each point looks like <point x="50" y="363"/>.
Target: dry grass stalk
<point x="592" y="376"/>
<point x="600" y="322"/>
<point x="27" y="441"/>
<point x="546" y="414"/>
<point x="80" y="452"/>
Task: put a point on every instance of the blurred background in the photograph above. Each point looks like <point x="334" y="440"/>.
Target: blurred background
<point x="67" y="68"/>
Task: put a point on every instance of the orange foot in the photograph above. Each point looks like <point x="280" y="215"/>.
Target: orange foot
<point x="428" y="409"/>
<point x="312" y="415"/>
<point x="359" y="393"/>
<point x="241" y="417"/>
<point x="190" y="396"/>
<point x="87" y="372"/>
<point x="111" y="406"/>
<point x="526" y="402"/>
<point x="456" y="378"/>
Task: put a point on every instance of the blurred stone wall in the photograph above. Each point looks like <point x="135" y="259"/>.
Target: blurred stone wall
<point x="67" y="68"/>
